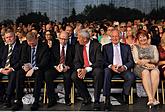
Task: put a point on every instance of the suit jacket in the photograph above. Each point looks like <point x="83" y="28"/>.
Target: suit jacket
<point x="73" y="40"/>
<point x="42" y="55"/>
<point x="15" y="56"/>
<point x="95" y="55"/>
<point x="55" y="55"/>
<point x="126" y="55"/>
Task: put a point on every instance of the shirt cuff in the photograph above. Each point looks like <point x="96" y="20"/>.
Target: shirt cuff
<point x="125" y="67"/>
<point x="1" y="69"/>
<point x="88" y="69"/>
<point x="12" y="69"/>
<point x="35" y="68"/>
<point x="109" y="66"/>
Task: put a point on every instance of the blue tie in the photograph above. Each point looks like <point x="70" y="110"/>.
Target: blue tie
<point x="33" y="61"/>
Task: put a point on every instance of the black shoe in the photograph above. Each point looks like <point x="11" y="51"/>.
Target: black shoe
<point x="18" y="106"/>
<point x="51" y="104"/>
<point x="96" y="106"/>
<point x="7" y="103"/>
<point x="35" y="106"/>
<point x="87" y="101"/>
<point x="68" y="103"/>
<point x="107" y="104"/>
<point x="125" y="99"/>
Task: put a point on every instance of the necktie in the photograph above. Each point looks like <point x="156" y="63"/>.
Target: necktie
<point x="8" y="57"/>
<point x="86" y="62"/>
<point x="62" y="56"/>
<point x="117" y="56"/>
<point x="33" y="61"/>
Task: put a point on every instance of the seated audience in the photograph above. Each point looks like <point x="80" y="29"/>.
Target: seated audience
<point x="34" y="62"/>
<point x="118" y="60"/>
<point x="161" y="50"/>
<point x="146" y="58"/>
<point x="62" y="55"/>
<point x="88" y="63"/>
<point x="10" y="64"/>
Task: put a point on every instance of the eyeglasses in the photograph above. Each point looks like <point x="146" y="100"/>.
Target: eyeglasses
<point x="122" y="26"/>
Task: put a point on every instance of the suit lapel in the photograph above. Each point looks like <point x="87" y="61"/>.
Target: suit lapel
<point x="121" y="51"/>
<point x="67" y="53"/>
<point x="81" y="53"/>
<point x="91" y="51"/>
<point x="29" y="53"/>
<point x="111" y="52"/>
<point x="58" y="53"/>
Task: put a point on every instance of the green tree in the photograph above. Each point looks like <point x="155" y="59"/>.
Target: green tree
<point x="33" y="17"/>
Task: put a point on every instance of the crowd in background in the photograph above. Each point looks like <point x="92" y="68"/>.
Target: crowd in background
<point x="146" y="39"/>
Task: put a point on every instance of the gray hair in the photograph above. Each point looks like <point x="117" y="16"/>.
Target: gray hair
<point x="84" y="33"/>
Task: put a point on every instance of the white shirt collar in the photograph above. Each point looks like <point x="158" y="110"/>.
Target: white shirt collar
<point x="87" y="45"/>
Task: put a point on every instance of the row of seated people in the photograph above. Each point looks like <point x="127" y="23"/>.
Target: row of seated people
<point x="86" y="59"/>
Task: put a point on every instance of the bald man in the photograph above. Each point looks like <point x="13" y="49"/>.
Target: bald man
<point x="62" y="56"/>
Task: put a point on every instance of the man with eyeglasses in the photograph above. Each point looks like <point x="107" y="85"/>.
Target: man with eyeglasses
<point x="62" y="55"/>
<point x="123" y="31"/>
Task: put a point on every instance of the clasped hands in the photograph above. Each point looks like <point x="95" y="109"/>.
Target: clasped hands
<point x="6" y="71"/>
<point x="81" y="72"/>
<point x="118" y="68"/>
<point x="62" y="68"/>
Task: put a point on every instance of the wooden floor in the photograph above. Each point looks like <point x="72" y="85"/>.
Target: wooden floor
<point x="138" y="106"/>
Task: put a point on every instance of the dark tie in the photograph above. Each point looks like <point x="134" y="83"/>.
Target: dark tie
<point x="62" y="56"/>
<point x="8" y="57"/>
<point x="85" y="56"/>
<point x="33" y="61"/>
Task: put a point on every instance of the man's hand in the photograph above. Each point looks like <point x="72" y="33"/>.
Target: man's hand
<point x="6" y="71"/>
<point x="81" y="73"/>
<point x="121" y="69"/>
<point x="58" y="68"/>
<point x="27" y="67"/>
<point x="115" y="68"/>
<point x="66" y="68"/>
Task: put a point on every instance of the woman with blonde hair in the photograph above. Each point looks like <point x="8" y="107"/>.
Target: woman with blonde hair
<point x="161" y="49"/>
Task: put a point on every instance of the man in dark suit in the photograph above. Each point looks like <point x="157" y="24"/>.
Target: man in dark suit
<point x="118" y="60"/>
<point x="34" y="61"/>
<point x="9" y="64"/>
<point x="88" y="63"/>
<point x="62" y="56"/>
<point x="72" y="39"/>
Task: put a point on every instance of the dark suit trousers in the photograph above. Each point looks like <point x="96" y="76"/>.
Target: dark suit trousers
<point x="38" y="80"/>
<point x="97" y="74"/>
<point x="11" y="84"/>
<point x="128" y="77"/>
<point x="50" y="75"/>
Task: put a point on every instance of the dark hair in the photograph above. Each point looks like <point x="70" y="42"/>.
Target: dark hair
<point x="143" y="32"/>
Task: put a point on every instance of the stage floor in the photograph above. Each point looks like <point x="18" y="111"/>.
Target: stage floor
<point x="138" y="106"/>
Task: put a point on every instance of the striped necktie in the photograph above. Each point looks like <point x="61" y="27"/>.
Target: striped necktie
<point x="62" y="56"/>
<point x="33" y="61"/>
<point x="7" y="65"/>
